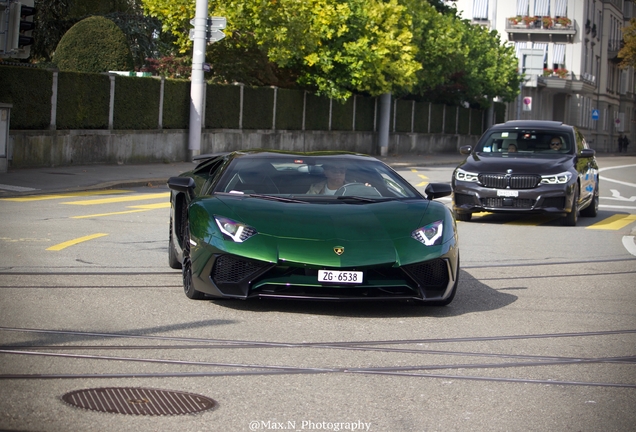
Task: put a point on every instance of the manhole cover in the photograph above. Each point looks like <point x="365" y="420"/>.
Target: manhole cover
<point x="138" y="401"/>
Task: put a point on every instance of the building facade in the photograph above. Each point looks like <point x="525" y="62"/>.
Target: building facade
<point x="567" y="50"/>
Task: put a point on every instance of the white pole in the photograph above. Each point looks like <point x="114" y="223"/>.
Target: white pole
<point x="197" y="83"/>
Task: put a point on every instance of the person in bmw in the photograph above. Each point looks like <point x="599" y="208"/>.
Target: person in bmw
<point x="553" y="171"/>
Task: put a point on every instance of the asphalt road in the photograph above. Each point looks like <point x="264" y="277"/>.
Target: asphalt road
<point x="541" y="335"/>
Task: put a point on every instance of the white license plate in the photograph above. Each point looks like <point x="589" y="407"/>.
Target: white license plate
<point x="335" y="276"/>
<point x="507" y="193"/>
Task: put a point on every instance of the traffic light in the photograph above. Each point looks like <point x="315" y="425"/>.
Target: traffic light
<point x="16" y="25"/>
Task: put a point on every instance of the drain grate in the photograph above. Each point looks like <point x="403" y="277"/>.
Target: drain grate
<point x="139" y="401"/>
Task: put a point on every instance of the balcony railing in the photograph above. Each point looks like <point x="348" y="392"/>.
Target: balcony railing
<point x="540" y="29"/>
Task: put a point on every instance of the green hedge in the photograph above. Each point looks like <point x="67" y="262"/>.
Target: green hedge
<point x="136" y="103"/>
<point x="365" y="110"/>
<point x="404" y="113"/>
<point x="30" y="91"/>
<point x="464" y="121"/>
<point x="422" y="110"/>
<point x="176" y="104"/>
<point x="317" y="113"/>
<point x="450" y="120"/>
<point x="83" y="103"/>
<point x="342" y="115"/>
<point x="83" y="100"/>
<point x="288" y="114"/>
<point x="258" y="111"/>
<point x="437" y="118"/>
<point x="222" y="106"/>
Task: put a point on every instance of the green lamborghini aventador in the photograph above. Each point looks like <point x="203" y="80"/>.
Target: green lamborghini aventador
<point x="320" y="226"/>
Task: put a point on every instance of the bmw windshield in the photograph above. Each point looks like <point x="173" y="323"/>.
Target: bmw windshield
<point x="525" y="143"/>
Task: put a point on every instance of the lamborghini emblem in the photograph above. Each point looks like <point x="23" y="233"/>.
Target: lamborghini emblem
<point x="339" y="250"/>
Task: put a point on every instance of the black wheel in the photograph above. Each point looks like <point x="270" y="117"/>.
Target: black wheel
<point x="572" y="218"/>
<point x="173" y="261"/>
<point x="463" y="217"/>
<point x="188" y="285"/>
<point x="592" y="209"/>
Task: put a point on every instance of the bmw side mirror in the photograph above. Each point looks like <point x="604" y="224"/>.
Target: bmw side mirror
<point x="465" y="150"/>
<point x="182" y="184"/>
<point x="437" y="190"/>
<point x="587" y="153"/>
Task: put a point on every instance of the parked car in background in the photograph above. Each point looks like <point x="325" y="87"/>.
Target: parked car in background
<point x="528" y="167"/>
<point x="319" y="226"/>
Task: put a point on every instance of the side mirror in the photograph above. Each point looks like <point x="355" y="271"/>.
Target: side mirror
<point x="587" y="153"/>
<point x="437" y="190"/>
<point x="182" y="184"/>
<point x="465" y="150"/>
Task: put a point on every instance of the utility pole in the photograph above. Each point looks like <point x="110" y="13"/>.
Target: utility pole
<point x="197" y="84"/>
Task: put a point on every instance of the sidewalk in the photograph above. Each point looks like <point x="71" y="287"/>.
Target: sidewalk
<point x="50" y="180"/>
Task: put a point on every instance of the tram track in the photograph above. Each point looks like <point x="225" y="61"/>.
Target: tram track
<point x="421" y="371"/>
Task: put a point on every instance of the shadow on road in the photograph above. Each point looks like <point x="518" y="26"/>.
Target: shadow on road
<point x="472" y="296"/>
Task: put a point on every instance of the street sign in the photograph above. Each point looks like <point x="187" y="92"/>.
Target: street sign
<point x="218" y="23"/>
<point x="527" y="103"/>
<point x="214" y="35"/>
<point x="595" y="114"/>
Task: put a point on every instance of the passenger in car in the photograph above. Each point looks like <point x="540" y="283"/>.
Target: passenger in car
<point x="512" y="148"/>
<point x="555" y="144"/>
<point x="335" y="173"/>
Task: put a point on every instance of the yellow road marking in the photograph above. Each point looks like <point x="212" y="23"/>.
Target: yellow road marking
<point x="422" y="184"/>
<point x="422" y="176"/>
<point x="120" y="199"/>
<point x="615" y="222"/>
<point x="66" y="244"/>
<point x="65" y="195"/>
<point x="139" y="208"/>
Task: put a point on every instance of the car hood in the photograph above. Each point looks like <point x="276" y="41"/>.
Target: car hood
<point x="376" y="221"/>
<point x="308" y="233"/>
<point x="518" y="164"/>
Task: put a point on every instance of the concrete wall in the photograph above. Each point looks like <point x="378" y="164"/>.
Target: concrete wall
<point x="31" y="149"/>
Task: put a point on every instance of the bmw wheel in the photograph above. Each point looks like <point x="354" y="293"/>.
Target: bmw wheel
<point x="572" y="218"/>
<point x="188" y="285"/>
<point x="592" y="209"/>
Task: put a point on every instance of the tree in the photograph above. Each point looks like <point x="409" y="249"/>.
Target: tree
<point x="94" y="44"/>
<point x="461" y="62"/>
<point x="335" y="47"/>
<point x="627" y="54"/>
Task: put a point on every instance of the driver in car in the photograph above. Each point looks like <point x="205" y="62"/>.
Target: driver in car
<point x="335" y="174"/>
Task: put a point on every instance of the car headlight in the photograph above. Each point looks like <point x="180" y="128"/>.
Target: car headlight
<point x="466" y="176"/>
<point x="562" y="178"/>
<point x="235" y="230"/>
<point x="429" y="235"/>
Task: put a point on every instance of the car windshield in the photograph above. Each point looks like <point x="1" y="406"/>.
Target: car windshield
<point x="525" y="143"/>
<point x="313" y="178"/>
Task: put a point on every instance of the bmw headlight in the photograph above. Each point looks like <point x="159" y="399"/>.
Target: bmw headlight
<point x="562" y="178"/>
<point x="466" y="176"/>
<point x="429" y="235"/>
<point x="235" y="230"/>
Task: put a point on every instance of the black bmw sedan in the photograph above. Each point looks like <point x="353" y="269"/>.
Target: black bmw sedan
<point x="528" y="167"/>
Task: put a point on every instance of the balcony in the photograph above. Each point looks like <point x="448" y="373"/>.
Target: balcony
<point x="540" y="29"/>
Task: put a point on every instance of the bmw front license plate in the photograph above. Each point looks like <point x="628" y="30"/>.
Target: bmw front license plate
<point x="507" y="193"/>
<point x="350" y="277"/>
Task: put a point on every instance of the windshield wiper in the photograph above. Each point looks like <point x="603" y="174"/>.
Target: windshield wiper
<point x="363" y="199"/>
<point x="277" y="198"/>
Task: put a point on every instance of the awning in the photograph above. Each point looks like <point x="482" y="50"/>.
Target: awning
<point x="561" y="8"/>
<point x="521" y="45"/>
<point x="480" y="9"/>
<point x="542" y="8"/>
<point x="541" y="46"/>
<point x="558" y="56"/>
<point x="522" y="7"/>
